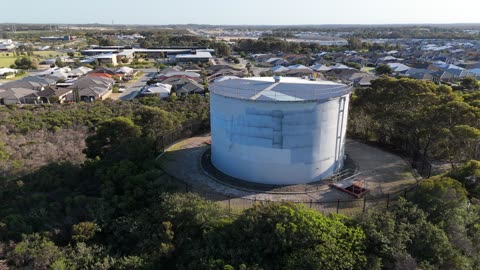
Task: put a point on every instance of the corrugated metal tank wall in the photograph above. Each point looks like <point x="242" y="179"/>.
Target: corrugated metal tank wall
<point x="278" y="142"/>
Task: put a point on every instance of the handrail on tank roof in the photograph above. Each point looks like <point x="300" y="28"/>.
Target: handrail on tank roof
<point x="335" y="91"/>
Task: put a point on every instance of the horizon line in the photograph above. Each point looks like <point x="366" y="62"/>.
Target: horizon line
<point x="279" y="25"/>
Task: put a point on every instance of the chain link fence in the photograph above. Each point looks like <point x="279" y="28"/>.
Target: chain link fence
<point x="346" y="207"/>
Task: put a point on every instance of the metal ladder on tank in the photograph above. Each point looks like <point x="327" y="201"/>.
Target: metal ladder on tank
<point x="338" y="141"/>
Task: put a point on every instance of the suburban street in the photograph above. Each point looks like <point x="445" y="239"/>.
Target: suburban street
<point x="134" y="88"/>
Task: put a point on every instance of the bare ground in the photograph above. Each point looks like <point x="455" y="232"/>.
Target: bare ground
<point x="383" y="172"/>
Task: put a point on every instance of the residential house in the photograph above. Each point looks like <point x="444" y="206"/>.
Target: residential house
<point x="56" y="73"/>
<point x="7" y="73"/>
<point x="30" y="82"/>
<point x="125" y="71"/>
<point x="79" y="72"/>
<point x="320" y="67"/>
<point x="159" y="89"/>
<point x="398" y="67"/>
<point x="279" y="70"/>
<point x="92" y="88"/>
<point x="190" y="88"/>
<point x="14" y="95"/>
<point x="363" y="81"/>
<point x="276" y="61"/>
<point x="179" y="74"/>
<point x="388" y="59"/>
<point x="48" y="95"/>
<point x="103" y="72"/>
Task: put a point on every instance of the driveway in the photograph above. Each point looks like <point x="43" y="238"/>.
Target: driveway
<point x="133" y="89"/>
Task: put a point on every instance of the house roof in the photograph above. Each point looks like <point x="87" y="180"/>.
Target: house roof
<point x="80" y="71"/>
<point x="124" y="70"/>
<point x="199" y="54"/>
<point x="299" y="72"/>
<point x="104" y="70"/>
<point x="6" y="70"/>
<point x="227" y="72"/>
<point x="340" y="66"/>
<point x="93" y="81"/>
<point x="388" y="58"/>
<point x="16" y="93"/>
<point x="179" y="74"/>
<point x="398" y="67"/>
<point x="169" y="69"/>
<point x="279" y="68"/>
<point x="474" y="70"/>
<point x="364" y="81"/>
<point x="191" y="87"/>
<point x="47" y="92"/>
<point x="31" y="82"/>
<point x="214" y="68"/>
<point x="297" y="66"/>
<point x="177" y="81"/>
<point x="320" y="67"/>
<point x="273" y="59"/>
<point x="93" y="91"/>
<point x="104" y="75"/>
<point x="157" y="88"/>
<point x="105" y="56"/>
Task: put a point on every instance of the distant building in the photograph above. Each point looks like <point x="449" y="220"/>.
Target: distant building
<point x="64" y="38"/>
<point x="6" y="45"/>
<point x="107" y="59"/>
<point x="194" y="57"/>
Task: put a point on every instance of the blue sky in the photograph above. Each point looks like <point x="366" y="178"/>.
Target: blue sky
<point x="241" y="12"/>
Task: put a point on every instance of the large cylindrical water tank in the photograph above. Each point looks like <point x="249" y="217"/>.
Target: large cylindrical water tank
<point x="278" y="130"/>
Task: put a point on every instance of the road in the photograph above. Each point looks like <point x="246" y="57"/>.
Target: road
<point x="133" y="89"/>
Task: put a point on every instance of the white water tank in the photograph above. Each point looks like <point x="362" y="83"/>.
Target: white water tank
<point x="278" y="130"/>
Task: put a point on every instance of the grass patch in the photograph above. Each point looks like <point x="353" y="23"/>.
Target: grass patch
<point x="367" y="69"/>
<point x="7" y="61"/>
<point x="48" y="54"/>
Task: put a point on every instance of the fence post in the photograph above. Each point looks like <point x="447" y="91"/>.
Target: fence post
<point x="364" y="203"/>
<point x="388" y="200"/>
<point x="338" y="205"/>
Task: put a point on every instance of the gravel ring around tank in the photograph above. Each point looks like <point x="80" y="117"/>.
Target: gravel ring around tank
<point x="386" y="173"/>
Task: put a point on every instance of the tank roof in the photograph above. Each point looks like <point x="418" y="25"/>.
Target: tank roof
<point x="286" y="89"/>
